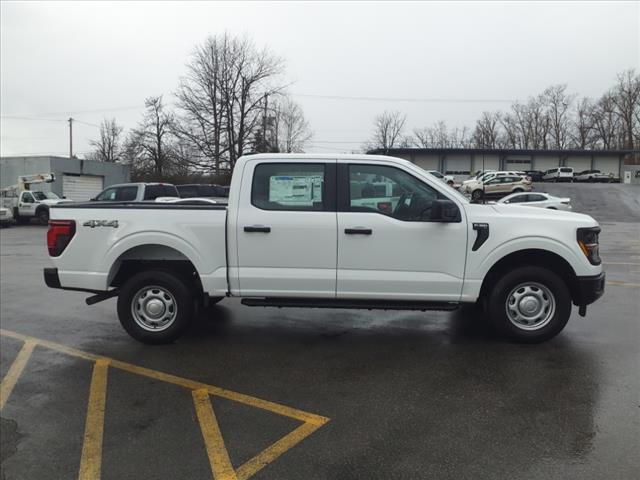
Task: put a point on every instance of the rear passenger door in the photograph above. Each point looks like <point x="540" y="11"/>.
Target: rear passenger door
<point x="286" y="229"/>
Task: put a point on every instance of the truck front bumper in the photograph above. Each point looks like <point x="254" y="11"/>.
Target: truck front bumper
<point x="589" y="289"/>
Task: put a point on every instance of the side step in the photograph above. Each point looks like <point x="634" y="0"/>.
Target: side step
<point x="349" y="303"/>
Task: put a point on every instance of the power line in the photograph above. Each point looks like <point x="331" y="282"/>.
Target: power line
<point x="16" y="117"/>
<point x="406" y="99"/>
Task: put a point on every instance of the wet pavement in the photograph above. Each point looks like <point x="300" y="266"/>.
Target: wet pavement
<point x="406" y="394"/>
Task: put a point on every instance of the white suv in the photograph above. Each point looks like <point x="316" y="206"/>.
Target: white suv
<point x="560" y="174"/>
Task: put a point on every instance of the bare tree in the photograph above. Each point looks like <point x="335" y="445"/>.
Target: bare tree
<point x="626" y="98"/>
<point x="387" y="129"/>
<point x="290" y="128"/>
<point x="487" y="131"/>
<point x="582" y="131"/>
<point x="558" y="104"/>
<point x="107" y="147"/>
<point x="149" y="145"/>
<point x="223" y="96"/>
<point x="606" y="122"/>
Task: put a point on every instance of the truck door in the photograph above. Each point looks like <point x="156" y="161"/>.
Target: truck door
<point x="387" y="246"/>
<point x="26" y="205"/>
<point x="286" y="229"/>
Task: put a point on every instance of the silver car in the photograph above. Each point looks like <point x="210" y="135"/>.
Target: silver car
<point x="542" y="200"/>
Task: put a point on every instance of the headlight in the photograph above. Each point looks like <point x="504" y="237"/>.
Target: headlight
<point x="588" y="241"/>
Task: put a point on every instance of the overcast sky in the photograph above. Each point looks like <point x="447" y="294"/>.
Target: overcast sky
<point x="94" y="60"/>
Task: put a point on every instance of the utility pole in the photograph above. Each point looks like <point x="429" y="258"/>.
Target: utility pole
<point x="70" y="137"/>
<point x="264" y="121"/>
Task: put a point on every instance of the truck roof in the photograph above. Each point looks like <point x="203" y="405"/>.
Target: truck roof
<point x="319" y="156"/>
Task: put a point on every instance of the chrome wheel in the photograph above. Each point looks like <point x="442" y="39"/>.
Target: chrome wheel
<point x="530" y="306"/>
<point x="154" y="308"/>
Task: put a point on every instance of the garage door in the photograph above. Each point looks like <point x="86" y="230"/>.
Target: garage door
<point x="81" y="187"/>
<point x="545" y="163"/>
<point x="457" y="164"/>
<point x="579" y="164"/>
<point x="608" y="165"/>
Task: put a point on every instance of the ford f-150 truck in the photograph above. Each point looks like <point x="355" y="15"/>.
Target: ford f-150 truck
<point x="333" y="231"/>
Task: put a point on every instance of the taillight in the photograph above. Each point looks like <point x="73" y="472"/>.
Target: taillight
<point x="589" y="244"/>
<point x="59" y="235"/>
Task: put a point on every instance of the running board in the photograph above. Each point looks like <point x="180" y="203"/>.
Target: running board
<point x="348" y="303"/>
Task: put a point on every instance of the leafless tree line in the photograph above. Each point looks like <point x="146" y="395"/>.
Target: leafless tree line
<point x="554" y="119"/>
<point x="231" y="101"/>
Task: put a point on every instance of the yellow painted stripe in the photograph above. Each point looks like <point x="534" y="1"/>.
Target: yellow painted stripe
<point x="183" y="382"/>
<point x="10" y="379"/>
<point x="268" y="455"/>
<point x="218" y="456"/>
<point x="623" y="284"/>
<point x="91" y="460"/>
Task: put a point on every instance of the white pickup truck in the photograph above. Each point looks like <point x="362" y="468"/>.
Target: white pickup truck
<point x="333" y="231"/>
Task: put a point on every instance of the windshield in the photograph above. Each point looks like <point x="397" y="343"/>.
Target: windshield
<point x="45" y="196"/>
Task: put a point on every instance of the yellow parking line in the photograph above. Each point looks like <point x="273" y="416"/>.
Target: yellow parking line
<point x="268" y="455"/>
<point x="90" y="465"/>
<point x="91" y="460"/>
<point x="618" y="283"/>
<point x="218" y="456"/>
<point x="10" y="379"/>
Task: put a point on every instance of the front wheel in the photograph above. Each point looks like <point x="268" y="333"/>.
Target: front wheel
<point x="155" y="307"/>
<point x="43" y="216"/>
<point x="477" y="194"/>
<point x="529" y="305"/>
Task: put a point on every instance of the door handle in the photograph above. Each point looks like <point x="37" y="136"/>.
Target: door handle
<point x="254" y="229"/>
<point x="358" y="231"/>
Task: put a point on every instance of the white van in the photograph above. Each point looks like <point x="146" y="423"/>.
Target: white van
<point x="560" y="174"/>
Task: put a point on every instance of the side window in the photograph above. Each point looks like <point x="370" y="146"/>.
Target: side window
<point x="126" y="194"/>
<point x="389" y="191"/>
<point x="519" y="199"/>
<point x="108" y="195"/>
<point x="289" y="186"/>
<point x="27" y="198"/>
<point x="536" y="198"/>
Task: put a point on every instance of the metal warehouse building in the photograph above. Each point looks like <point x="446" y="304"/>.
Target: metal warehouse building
<point x="76" y="179"/>
<point x="462" y="161"/>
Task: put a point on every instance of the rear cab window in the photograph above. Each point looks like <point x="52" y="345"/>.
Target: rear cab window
<point x="152" y="192"/>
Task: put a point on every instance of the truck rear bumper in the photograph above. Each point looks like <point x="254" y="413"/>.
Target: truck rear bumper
<point x="52" y="280"/>
<point x="589" y="289"/>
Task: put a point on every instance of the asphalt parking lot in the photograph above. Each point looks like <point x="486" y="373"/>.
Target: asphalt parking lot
<point x="322" y="394"/>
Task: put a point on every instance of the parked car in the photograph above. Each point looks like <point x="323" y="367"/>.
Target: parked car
<point x="294" y="234"/>
<point x="560" y="174"/>
<point x="470" y="184"/>
<point x="203" y="191"/>
<point x="448" y="179"/>
<point x="499" y="186"/>
<point x="592" y="176"/>
<point x="136" y="192"/>
<point x="6" y="217"/>
<point x="543" y="200"/>
<point x="535" y="175"/>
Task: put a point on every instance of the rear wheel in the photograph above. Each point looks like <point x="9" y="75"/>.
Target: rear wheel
<point x="529" y="305"/>
<point x="155" y="306"/>
<point x="517" y="190"/>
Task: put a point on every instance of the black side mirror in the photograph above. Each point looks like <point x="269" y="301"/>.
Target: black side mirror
<point x="93" y="199"/>
<point x="445" y="211"/>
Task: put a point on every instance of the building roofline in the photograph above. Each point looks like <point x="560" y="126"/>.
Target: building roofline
<point x="497" y="151"/>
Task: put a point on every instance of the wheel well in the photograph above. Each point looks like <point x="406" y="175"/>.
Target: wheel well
<point x="533" y="257"/>
<point x="153" y="257"/>
<point x="39" y="208"/>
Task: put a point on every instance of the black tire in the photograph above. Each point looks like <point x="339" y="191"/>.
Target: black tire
<point x="477" y="194"/>
<point x="517" y="190"/>
<point x="43" y="216"/>
<point x="450" y="183"/>
<point x="168" y="283"/>
<point x="536" y="277"/>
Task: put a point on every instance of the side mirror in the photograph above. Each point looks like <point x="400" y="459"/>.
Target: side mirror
<point x="93" y="199"/>
<point x="445" y="211"/>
